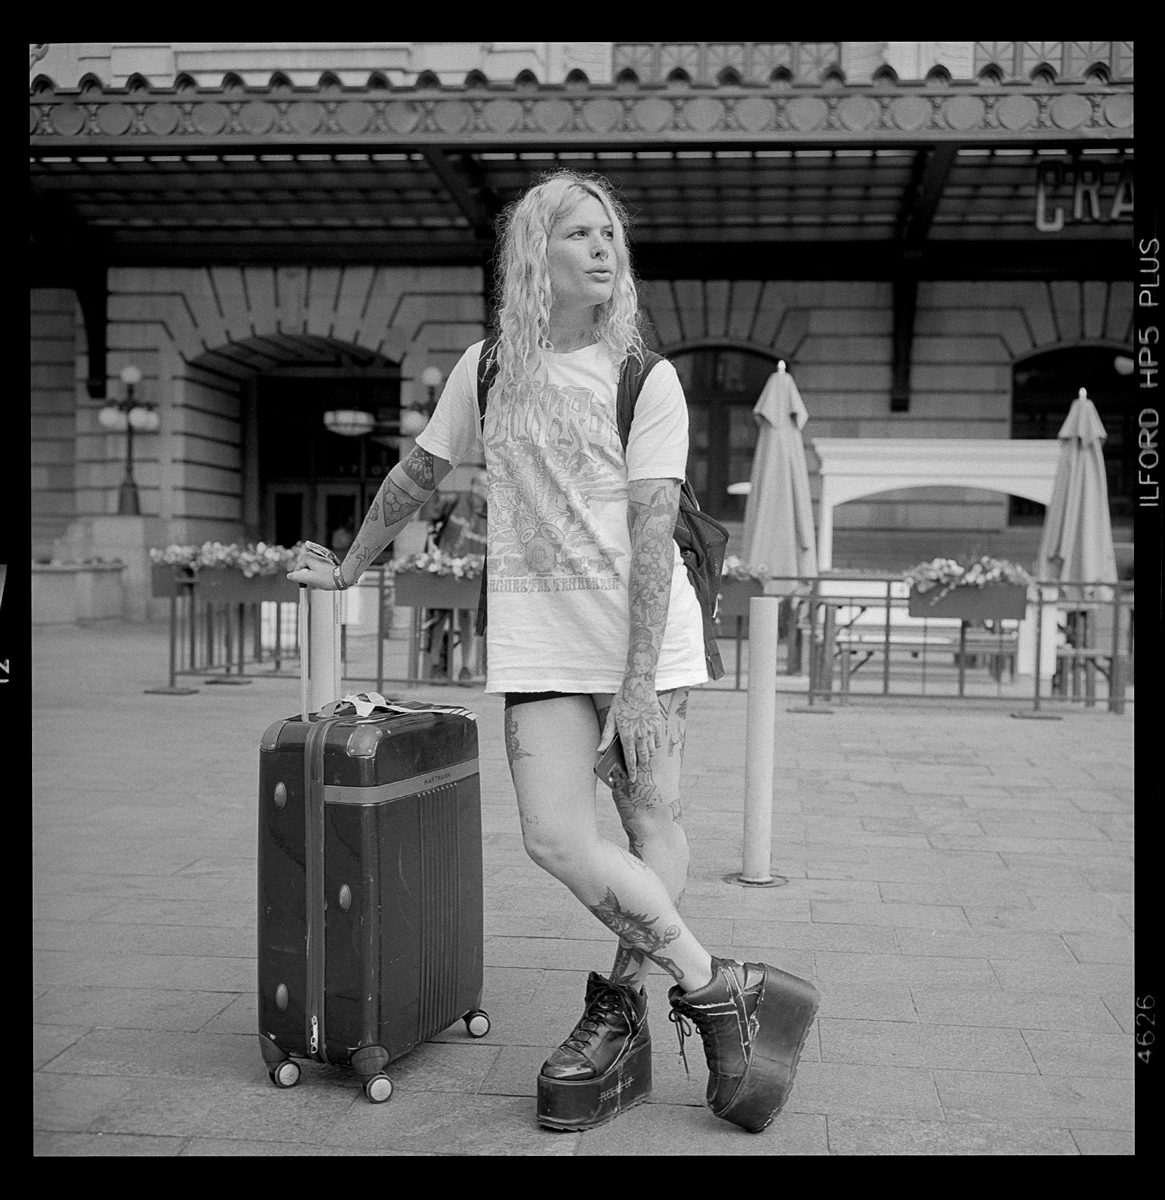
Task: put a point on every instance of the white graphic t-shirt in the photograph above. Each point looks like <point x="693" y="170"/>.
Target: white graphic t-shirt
<point x="559" y="548"/>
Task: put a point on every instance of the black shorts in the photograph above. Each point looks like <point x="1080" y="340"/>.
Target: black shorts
<point x="515" y="698"/>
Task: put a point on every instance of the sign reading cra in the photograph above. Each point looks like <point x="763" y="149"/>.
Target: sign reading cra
<point x="1083" y="192"/>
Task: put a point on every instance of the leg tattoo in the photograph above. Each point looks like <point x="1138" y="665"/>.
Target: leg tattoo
<point x="513" y="750"/>
<point x="628" y="964"/>
<point x="636" y="934"/>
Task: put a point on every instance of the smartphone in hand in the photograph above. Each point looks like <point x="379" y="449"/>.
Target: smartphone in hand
<point x="611" y="766"/>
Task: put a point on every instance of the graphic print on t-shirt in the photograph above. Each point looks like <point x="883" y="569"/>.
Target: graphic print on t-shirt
<point x="553" y="456"/>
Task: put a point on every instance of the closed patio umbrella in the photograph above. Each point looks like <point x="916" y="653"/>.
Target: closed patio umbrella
<point x="1076" y="544"/>
<point x="778" y="517"/>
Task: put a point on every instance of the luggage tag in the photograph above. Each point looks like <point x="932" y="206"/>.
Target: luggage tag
<point x="366" y="703"/>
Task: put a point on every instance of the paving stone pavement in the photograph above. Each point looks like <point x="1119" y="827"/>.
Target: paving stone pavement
<point x="959" y="886"/>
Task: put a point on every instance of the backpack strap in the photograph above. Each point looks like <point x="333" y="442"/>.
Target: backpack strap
<point x="487" y="370"/>
<point x="631" y="379"/>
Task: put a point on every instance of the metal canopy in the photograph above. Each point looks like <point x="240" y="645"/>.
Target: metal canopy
<point x="818" y="181"/>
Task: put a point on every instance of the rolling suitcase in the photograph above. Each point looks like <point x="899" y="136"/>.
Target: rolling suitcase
<point x="369" y="881"/>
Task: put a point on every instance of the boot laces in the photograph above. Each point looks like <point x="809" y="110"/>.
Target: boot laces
<point x="592" y="1020"/>
<point x="704" y="1027"/>
<point x="683" y="1031"/>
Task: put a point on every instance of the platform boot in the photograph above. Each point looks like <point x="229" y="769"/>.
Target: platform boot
<point x="604" y="1066"/>
<point x="753" y="1020"/>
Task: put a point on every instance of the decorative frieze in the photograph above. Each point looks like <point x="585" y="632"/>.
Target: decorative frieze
<point x="652" y="64"/>
<point x="303" y="63"/>
<point x="123" y="120"/>
<point x="1067" y="60"/>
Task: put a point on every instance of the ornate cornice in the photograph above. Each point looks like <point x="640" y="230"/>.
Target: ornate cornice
<point x="94" y="119"/>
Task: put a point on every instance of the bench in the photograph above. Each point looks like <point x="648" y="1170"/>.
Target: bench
<point x="851" y="621"/>
<point x="1090" y="648"/>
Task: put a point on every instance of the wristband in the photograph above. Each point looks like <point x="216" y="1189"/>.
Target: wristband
<point x="341" y="586"/>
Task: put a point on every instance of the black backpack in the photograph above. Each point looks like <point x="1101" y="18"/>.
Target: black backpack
<point x="702" y="540"/>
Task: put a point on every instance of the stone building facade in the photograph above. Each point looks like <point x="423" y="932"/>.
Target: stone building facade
<point x="241" y="294"/>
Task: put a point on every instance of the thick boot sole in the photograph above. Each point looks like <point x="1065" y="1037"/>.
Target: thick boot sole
<point x="566" y="1104"/>
<point x="785" y="1014"/>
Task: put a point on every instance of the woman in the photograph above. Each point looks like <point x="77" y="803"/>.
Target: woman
<point x="594" y="634"/>
<point x="457" y="528"/>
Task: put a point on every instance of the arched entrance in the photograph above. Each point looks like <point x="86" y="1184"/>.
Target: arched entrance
<point x="314" y="483"/>
<point x="298" y="479"/>
<point x="721" y="384"/>
<point x="1043" y="388"/>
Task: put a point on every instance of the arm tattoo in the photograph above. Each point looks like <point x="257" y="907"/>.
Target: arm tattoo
<point x="400" y="495"/>
<point x="651" y="515"/>
<point x="419" y="468"/>
<point x="675" y="711"/>
<point x="636" y="932"/>
<point x="396" y="504"/>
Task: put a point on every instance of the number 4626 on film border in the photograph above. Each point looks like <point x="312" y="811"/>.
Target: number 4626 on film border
<point x="1145" y="1016"/>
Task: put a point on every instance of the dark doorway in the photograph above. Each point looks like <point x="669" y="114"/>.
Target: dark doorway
<point x="1043" y="390"/>
<point x="314" y="483"/>
<point x="721" y="384"/>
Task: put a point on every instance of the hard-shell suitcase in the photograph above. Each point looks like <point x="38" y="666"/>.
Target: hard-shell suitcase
<point x="370" y="886"/>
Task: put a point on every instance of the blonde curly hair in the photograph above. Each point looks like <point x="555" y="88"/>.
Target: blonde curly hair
<point x="522" y="322"/>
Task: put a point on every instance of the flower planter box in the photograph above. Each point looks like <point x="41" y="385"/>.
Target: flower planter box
<point x="226" y="585"/>
<point x="63" y="593"/>
<point x="222" y="585"/>
<point x="165" y="581"/>
<point x="425" y="589"/>
<point x="992" y="602"/>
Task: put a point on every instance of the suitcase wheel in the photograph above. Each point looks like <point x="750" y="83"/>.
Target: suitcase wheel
<point x="477" y="1023"/>
<point x="285" y="1075"/>
<point x="378" y="1089"/>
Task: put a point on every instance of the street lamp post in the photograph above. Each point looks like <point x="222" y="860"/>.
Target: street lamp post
<point x="416" y="416"/>
<point x="129" y="415"/>
<point x="432" y="378"/>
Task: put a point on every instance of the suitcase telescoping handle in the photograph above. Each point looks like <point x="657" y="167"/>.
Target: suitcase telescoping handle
<point x="319" y="649"/>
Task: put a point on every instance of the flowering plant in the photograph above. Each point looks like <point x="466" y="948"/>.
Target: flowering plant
<point x="947" y="574"/>
<point x="734" y="568"/>
<point x="251" y="559"/>
<point x="466" y="566"/>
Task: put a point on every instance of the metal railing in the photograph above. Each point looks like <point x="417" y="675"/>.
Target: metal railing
<point x="218" y="640"/>
<point x="850" y="636"/>
<point x="842" y="637"/>
<point x="236" y="642"/>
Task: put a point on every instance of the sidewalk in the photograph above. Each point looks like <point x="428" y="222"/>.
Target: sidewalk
<point x="959" y="888"/>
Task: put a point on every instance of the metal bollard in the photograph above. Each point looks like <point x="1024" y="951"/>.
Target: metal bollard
<point x="763" y="620"/>
<point x="1116" y="682"/>
<point x="319" y="649"/>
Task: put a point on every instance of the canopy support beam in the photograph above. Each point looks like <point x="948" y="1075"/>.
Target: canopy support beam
<point x="931" y="170"/>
